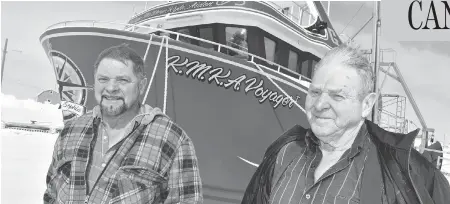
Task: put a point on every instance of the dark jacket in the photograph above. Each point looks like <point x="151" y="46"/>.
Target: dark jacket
<point x="406" y="174"/>
<point x="433" y="157"/>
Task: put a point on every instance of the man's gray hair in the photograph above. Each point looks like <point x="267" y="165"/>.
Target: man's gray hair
<point x="351" y="56"/>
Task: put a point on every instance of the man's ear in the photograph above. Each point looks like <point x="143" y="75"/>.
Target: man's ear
<point x="368" y="103"/>
<point x="143" y="85"/>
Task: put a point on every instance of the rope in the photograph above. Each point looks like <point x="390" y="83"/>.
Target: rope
<point x="148" y="47"/>
<point x="278" y="119"/>
<point x="173" y="102"/>
<point x="153" y="73"/>
<point x="271" y="80"/>
<point x="166" y="75"/>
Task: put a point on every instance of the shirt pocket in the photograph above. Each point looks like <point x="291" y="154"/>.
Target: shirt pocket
<point x="338" y="199"/>
<point x="62" y="179"/>
<point x="136" y="184"/>
<point x="64" y="166"/>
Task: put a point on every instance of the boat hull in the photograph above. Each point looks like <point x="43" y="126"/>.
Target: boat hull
<point x="226" y="105"/>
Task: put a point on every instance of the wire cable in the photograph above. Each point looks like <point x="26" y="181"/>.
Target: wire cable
<point x="352" y="18"/>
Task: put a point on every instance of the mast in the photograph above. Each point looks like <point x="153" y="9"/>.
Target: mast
<point x="4" y="57"/>
<point x="376" y="58"/>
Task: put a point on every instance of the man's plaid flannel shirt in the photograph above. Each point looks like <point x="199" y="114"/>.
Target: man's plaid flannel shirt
<point x="155" y="163"/>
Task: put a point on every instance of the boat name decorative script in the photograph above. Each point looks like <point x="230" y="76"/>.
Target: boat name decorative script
<point x="198" y="70"/>
<point x="187" y="6"/>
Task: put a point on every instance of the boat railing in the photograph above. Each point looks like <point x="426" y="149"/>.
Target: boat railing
<point x="217" y="46"/>
<point x="296" y="17"/>
<point x="235" y="44"/>
<point x="388" y="55"/>
<point x="84" y="23"/>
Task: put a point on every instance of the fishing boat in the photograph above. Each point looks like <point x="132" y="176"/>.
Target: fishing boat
<point x="234" y="75"/>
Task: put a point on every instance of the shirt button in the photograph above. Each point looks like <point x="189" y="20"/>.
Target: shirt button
<point x="103" y="164"/>
<point x="104" y="137"/>
<point x="308" y="196"/>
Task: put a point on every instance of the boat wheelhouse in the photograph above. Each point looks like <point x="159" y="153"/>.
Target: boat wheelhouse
<point x="233" y="75"/>
<point x="287" y="33"/>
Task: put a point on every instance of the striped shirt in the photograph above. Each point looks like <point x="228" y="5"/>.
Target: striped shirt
<point x="293" y="180"/>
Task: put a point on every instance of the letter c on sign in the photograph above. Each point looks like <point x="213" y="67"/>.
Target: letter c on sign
<point x="410" y="15"/>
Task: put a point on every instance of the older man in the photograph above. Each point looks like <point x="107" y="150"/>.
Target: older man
<point x="122" y="151"/>
<point x="344" y="158"/>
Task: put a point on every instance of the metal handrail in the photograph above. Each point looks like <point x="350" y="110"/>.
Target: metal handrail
<point x="437" y="151"/>
<point x="132" y="28"/>
<point x="292" y="17"/>
<point x="244" y="48"/>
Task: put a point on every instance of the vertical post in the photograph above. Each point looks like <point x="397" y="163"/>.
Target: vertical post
<point x="424" y="143"/>
<point x="309" y="20"/>
<point x="292" y="13"/>
<point x="328" y="9"/>
<point x="4" y="57"/>
<point x="376" y="58"/>
<point x="300" y="16"/>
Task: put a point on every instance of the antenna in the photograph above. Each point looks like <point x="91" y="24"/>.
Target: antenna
<point x="5" y="50"/>
<point x="4" y="57"/>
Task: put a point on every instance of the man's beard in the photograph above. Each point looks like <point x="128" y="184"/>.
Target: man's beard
<point x="113" y="110"/>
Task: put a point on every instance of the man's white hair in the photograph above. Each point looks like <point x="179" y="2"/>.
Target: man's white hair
<point x="351" y="56"/>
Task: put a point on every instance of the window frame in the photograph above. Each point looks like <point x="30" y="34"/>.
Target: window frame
<point x="275" y="52"/>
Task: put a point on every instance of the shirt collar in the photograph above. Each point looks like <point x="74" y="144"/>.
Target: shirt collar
<point x="146" y="115"/>
<point x="311" y="139"/>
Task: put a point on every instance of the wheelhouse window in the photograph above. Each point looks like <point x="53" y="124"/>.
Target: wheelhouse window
<point x="237" y="38"/>
<point x="285" y="10"/>
<point x="313" y="66"/>
<point x="293" y="61"/>
<point x="304" y="68"/>
<point x="270" y="47"/>
<point x="207" y="34"/>
<point x="186" y="32"/>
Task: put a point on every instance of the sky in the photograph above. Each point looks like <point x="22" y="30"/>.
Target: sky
<point x="424" y="65"/>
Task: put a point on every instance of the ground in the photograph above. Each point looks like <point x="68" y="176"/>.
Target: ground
<point x="25" y="158"/>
